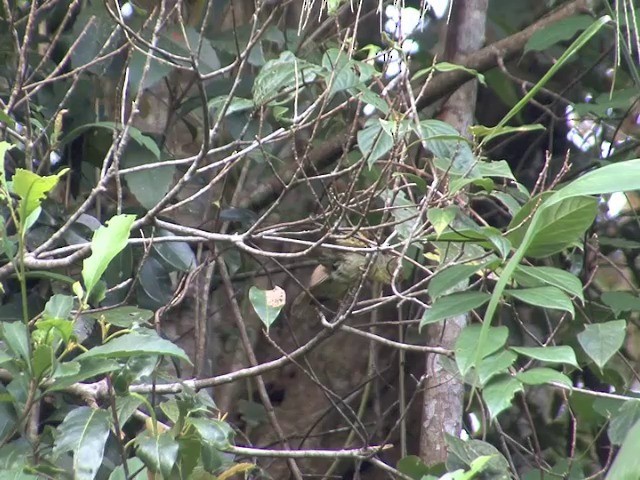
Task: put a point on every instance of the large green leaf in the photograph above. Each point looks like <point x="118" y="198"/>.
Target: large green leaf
<point x="441" y="218"/>
<point x="579" y="42"/>
<point x="58" y="306"/>
<point x="214" y="432"/>
<point x="178" y="255"/>
<point x="267" y="303"/>
<point x="413" y="467"/>
<point x="467" y="340"/>
<point x="448" y="146"/>
<point x="135" y="467"/>
<point x="562" y="354"/>
<point x="17" y="338"/>
<point x="452" y="305"/>
<point x="32" y="189"/>
<point x="615" y="177"/>
<point x="622" y="420"/>
<point x="493" y="364"/>
<point x="463" y="454"/>
<point x="68" y="373"/>
<point x="342" y="70"/>
<point x="601" y="341"/>
<point x="557" y="32"/>
<point x="545" y="297"/>
<point x="148" y="186"/>
<point x="126" y="316"/>
<point x="106" y="243"/>
<point x="84" y="432"/>
<point x="540" y="276"/>
<point x="158" y="452"/>
<point x="621" y="301"/>
<point x="287" y="71"/>
<point x="143" y="140"/>
<point x="403" y="210"/>
<point x="449" y="277"/>
<point x="626" y="465"/>
<point x="374" y="141"/>
<point x="499" y="392"/>
<point x="557" y="225"/>
<point x="543" y="375"/>
<point x="133" y="345"/>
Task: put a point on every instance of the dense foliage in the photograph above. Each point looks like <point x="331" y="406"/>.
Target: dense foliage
<point x="228" y="229"/>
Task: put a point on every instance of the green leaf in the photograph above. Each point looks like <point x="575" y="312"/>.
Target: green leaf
<point x="176" y="254"/>
<point x="493" y="364"/>
<point x="543" y="375"/>
<point x="5" y="357"/>
<point x="452" y="305"/>
<point x="213" y="432"/>
<point x="622" y="420"/>
<point x="448" y="67"/>
<point x="134" y="345"/>
<point x="142" y="140"/>
<point x="557" y="32"/>
<point x="477" y="466"/>
<point x="463" y="454"/>
<point x="68" y="373"/>
<point x="32" y="189"/>
<point x="5" y="118"/>
<point x="540" y="276"/>
<point x="134" y="465"/>
<point x="467" y="340"/>
<point x="615" y="177"/>
<point x="42" y="360"/>
<point x="561" y="62"/>
<point x="412" y="466"/>
<point x="446" y="144"/>
<point x="499" y="392"/>
<point x="557" y="225"/>
<point x="374" y="142"/>
<point x="626" y="465"/>
<point x="601" y="341"/>
<point x="496" y="168"/>
<point x="106" y="243"/>
<point x="125" y="317"/>
<point x="562" y="354"/>
<point x="451" y="276"/>
<point x="403" y="210"/>
<point x="267" y="303"/>
<point x="341" y="71"/>
<point x="236" y="105"/>
<point x="441" y="218"/>
<point x="59" y="306"/>
<point x="545" y="297"/>
<point x="287" y="71"/>
<point x="621" y="301"/>
<point x="148" y="186"/>
<point x="482" y="131"/>
<point x="17" y="338"/>
<point x="159" y="453"/>
<point x="18" y="473"/>
<point x="369" y="96"/>
<point x="84" y="432"/>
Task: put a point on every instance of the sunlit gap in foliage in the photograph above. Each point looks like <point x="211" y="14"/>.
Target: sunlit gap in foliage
<point x="588" y="133"/>
<point x="400" y="23"/>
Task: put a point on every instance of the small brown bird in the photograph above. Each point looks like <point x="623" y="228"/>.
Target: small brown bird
<point x="340" y="271"/>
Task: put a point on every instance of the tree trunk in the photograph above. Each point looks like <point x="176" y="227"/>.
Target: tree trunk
<point x="444" y="392"/>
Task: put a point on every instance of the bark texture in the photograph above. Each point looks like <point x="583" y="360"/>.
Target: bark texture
<point x="442" y="405"/>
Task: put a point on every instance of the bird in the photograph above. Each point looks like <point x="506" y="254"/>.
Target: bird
<point x="339" y="271"/>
